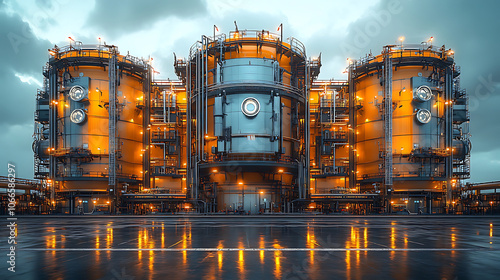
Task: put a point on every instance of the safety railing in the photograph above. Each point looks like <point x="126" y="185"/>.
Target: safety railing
<point x="404" y="174"/>
<point x="94" y="174"/>
<point x="252" y="157"/>
<point x="327" y="103"/>
<point x="91" y="50"/>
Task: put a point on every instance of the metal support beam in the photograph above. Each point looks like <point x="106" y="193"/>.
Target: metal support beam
<point x="388" y="120"/>
<point x="112" y="125"/>
<point x="448" y="119"/>
<point x="307" y="136"/>
<point x="145" y="122"/>
<point x="352" y="128"/>
<point x="53" y="95"/>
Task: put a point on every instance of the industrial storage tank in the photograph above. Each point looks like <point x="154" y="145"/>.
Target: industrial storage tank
<point x="402" y="141"/>
<point x="248" y="116"/>
<point x="96" y="140"/>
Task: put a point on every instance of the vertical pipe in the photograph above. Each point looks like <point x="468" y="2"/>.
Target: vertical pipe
<point x="164" y="108"/>
<point x="145" y="123"/>
<point x="352" y="128"/>
<point x="206" y="85"/>
<point x="52" y="129"/>
<point x="281" y="130"/>
<point x="188" y="126"/>
<point x="449" y="134"/>
<point x="388" y="122"/>
<point x="308" y="129"/>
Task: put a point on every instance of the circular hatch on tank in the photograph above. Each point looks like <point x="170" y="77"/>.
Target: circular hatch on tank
<point x="250" y="107"/>
<point x="423" y="93"/>
<point x="77" y="116"/>
<point x="77" y="93"/>
<point x="424" y="116"/>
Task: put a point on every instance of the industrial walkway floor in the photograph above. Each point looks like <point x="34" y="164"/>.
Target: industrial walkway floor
<point x="256" y="247"/>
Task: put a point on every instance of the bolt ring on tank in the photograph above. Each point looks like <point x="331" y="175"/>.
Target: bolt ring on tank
<point x="250" y="107"/>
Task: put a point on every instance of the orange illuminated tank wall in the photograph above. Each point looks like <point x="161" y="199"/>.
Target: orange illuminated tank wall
<point x="82" y="102"/>
<point x="421" y="124"/>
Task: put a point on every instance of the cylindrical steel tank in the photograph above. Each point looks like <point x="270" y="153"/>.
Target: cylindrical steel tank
<point x="402" y="125"/>
<point x="247" y="112"/>
<point x="81" y="107"/>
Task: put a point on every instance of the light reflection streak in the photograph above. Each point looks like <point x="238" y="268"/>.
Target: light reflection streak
<point x="262" y="245"/>
<point x="162" y="235"/>
<point x="277" y="255"/>
<point x="453" y="240"/>
<point x="365" y="239"/>
<point x="241" y="259"/>
<point x="393" y="240"/>
<point x="219" y="254"/>
<point x="97" y="245"/>
<point x="140" y="246"/>
<point x="311" y="242"/>
<point x="151" y="252"/>
<point x="109" y="239"/>
<point x="184" y="245"/>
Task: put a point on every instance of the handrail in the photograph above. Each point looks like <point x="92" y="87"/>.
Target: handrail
<point x="251" y="157"/>
<point x="418" y="173"/>
<point x="220" y="85"/>
<point x="20" y="181"/>
<point x="103" y="50"/>
<point x="94" y="174"/>
<point x="242" y="35"/>
<point x="420" y="48"/>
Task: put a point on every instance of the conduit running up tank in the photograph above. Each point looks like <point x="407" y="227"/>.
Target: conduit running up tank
<point x="248" y="116"/>
<point x="96" y="143"/>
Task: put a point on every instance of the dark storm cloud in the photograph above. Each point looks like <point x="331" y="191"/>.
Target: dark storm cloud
<point x="24" y="54"/>
<point x="117" y="17"/>
<point x="246" y="20"/>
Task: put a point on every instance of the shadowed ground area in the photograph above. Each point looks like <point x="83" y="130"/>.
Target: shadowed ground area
<point x="256" y="247"/>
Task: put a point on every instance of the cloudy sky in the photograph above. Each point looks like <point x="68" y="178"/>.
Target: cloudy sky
<point x="337" y="29"/>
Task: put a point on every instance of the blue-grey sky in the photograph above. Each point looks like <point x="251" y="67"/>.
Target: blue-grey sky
<point x="337" y="29"/>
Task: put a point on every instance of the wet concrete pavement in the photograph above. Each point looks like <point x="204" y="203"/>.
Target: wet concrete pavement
<point x="256" y="247"/>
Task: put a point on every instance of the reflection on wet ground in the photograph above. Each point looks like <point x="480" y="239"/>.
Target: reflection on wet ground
<point x="249" y="247"/>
